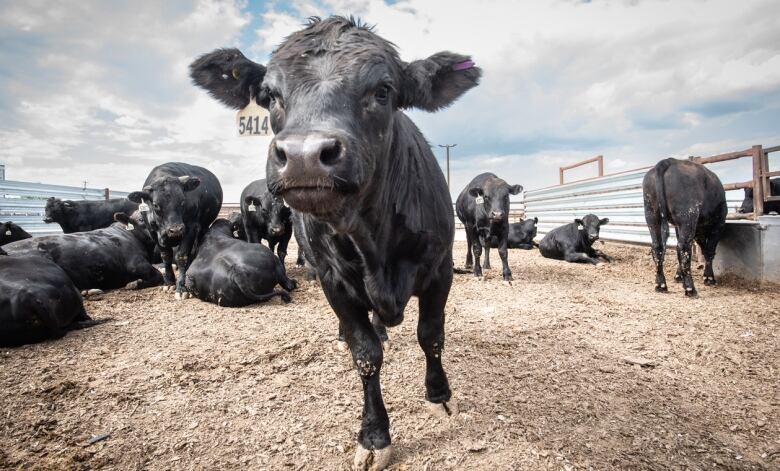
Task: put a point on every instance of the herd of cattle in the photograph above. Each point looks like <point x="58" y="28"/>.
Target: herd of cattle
<point x="354" y="179"/>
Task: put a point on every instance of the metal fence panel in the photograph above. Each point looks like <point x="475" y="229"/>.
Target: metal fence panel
<point x="24" y="203"/>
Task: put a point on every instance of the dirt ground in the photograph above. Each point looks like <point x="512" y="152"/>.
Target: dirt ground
<point x="539" y="369"/>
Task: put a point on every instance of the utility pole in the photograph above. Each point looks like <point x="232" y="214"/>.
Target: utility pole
<point x="447" y="146"/>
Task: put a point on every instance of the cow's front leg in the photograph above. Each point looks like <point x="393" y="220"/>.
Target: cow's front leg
<point x="430" y="335"/>
<point x="169" y="278"/>
<point x="503" y="252"/>
<point x="373" y="447"/>
<point x="380" y="329"/>
<point x="184" y="259"/>
<point x="478" y="242"/>
<point x="281" y="251"/>
<point x="579" y="257"/>
<point x="486" y="262"/>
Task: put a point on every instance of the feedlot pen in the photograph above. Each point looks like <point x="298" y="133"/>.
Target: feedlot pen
<point x="571" y="367"/>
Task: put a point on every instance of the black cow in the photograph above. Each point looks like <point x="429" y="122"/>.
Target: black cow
<point x="483" y="208"/>
<point x="266" y="217"/>
<point x="573" y="242"/>
<point x="113" y="257"/>
<point x="231" y="272"/>
<point x="304" y="259"/>
<point x="179" y="201"/>
<point x="82" y="216"/>
<point x="237" y="221"/>
<point x="691" y="197"/>
<point x="10" y="232"/>
<point x="521" y="235"/>
<point x="37" y="301"/>
<point x="771" y="206"/>
<point x="374" y="201"/>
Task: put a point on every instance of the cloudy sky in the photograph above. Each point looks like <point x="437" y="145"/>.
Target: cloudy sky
<point x="98" y="91"/>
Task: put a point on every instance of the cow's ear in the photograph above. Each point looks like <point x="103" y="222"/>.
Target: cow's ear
<point x="476" y="191"/>
<point x="515" y="189"/>
<point x="578" y="222"/>
<point x="122" y="217"/>
<point x="189" y="183"/>
<point x="229" y="77"/>
<point x="536" y="220"/>
<point x="139" y="197"/>
<point x="436" y="82"/>
<point x="603" y="221"/>
<point x="68" y="205"/>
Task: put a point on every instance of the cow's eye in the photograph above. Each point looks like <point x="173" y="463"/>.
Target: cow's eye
<point x="382" y="94"/>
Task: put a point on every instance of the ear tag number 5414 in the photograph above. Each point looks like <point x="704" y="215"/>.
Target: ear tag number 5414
<point x="253" y="121"/>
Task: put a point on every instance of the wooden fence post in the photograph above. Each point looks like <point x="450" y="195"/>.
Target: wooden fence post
<point x="758" y="181"/>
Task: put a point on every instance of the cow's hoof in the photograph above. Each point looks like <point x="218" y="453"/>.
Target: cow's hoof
<point x="181" y="296"/>
<point x="507" y="283"/>
<point x="341" y="346"/>
<point x="468" y="266"/>
<point x="600" y="265"/>
<point x="167" y="288"/>
<point x="371" y="460"/>
<point x="133" y="285"/>
<point x="385" y="345"/>
<point x="678" y="278"/>
<point x="709" y="281"/>
<point x="662" y="288"/>
<point x="444" y="409"/>
<point x="480" y="278"/>
<point x="691" y="293"/>
<point x="91" y="292"/>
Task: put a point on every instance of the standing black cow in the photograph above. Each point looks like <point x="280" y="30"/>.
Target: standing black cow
<point x="374" y="201"/>
<point x="37" y="301"/>
<point x="573" y="242"/>
<point x="83" y="216"/>
<point x="771" y="206"/>
<point x="179" y="201"/>
<point x="483" y="208"/>
<point x="114" y="257"/>
<point x="266" y="217"/>
<point x="691" y="197"/>
<point x="521" y="235"/>
<point x="10" y="232"/>
<point x="231" y="272"/>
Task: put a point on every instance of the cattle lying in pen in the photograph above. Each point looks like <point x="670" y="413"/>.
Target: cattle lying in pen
<point x="573" y="242"/>
<point x="178" y="203"/>
<point x="114" y="257"/>
<point x="691" y="197"/>
<point x="82" y="216"/>
<point x="372" y="197"/>
<point x="38" y="301"/>
<point x="231" y="272"/>
<point x="10" y="232"/>
<point x="521" y="235"/>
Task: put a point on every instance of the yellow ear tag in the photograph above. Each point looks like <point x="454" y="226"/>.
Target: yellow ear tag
<point x="253" y="121"/>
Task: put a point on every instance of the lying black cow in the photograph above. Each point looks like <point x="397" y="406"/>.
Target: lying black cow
<point x="771" y="206"/>
<point x="483" y="208"/>
<point x="82" y="216"/>
<point x="178" y="202"/>
<point x="691" y="197"/>
<point x="114" y="257"/>
<point x="10" y="232"/>
<point x="231" y="272"/>
<point x="238" y="225"/>
<point x="573" y="242"/>
<point x="374" y="201"/>
<point x="266" y="217"/>
<point x="521" y="235"/>
<point x="37" y="301"/>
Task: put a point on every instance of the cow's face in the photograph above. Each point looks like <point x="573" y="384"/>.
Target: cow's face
<point x="332" y="91"/>
<point x="492" y="198"/>
<point x="138" y="225"/>
<point x="590" y="226"/>
<point x="57" y="210"/>
<point x="530" y="227"/>
<point x="747" y="203"/>
<point x="165" y="198"/>
<point x="277" y="215"/>
<point x="10" y="232"/>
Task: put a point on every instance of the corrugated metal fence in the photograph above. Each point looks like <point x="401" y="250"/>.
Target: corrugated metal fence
<point x="24" y="202"/>
<point x="617" y="196"/>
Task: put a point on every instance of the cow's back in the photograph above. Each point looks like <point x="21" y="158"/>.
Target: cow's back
<point x="687" y="188"/>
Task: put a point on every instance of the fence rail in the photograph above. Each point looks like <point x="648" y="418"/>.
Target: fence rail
<point x="24" y="202"/>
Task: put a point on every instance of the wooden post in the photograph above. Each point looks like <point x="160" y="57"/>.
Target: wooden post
<point x="560" y="174"/>
<point x="107" y="193"/>
<point x="601" y="165"/>
<point x="758" y="181"/>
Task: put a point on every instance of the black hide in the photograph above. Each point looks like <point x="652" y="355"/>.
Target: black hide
<point x="573" y="242"/>
<point x="769" y="206"/>
<point x="83" y="216"/>
<point x="10" y="232"/>
<point x="266" y="217"/>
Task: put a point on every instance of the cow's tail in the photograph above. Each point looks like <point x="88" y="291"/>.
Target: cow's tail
<point x="246" y="284"/>
<point x="660" y="189"/>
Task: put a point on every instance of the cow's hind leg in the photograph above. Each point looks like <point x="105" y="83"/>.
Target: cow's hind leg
<point x="469" y="243"/>
<point x="685" y="237"/>
<point x="708" y="245"/>
<point x="659" y="233"/>
<point x="430" y="335"/>
<point x="478" y="242"/>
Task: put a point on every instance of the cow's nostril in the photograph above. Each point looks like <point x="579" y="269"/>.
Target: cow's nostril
<point x="330" y="153"/>
<point x="280" y="155"/>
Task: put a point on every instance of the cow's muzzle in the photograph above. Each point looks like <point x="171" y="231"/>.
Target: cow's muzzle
<point x="48" y="220"/>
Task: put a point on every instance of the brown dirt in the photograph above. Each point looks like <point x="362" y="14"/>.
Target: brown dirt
<point x="538" y="369"/>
